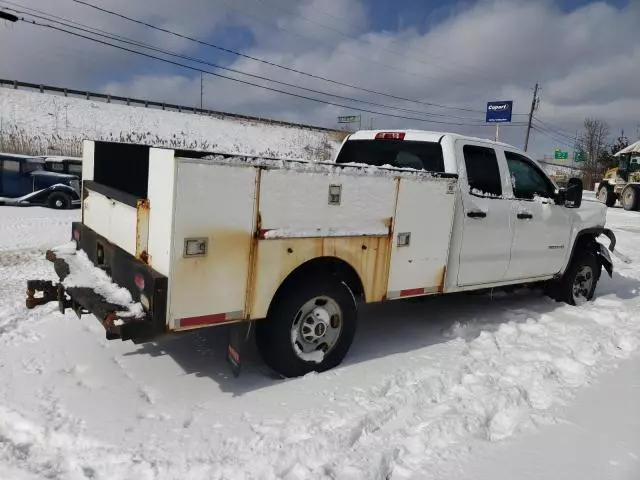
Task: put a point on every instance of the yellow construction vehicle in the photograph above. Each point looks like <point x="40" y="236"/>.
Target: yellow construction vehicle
<point x="622" y="182"/>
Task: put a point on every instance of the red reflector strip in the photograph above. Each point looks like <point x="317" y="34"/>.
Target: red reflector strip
<point x="235" y="356"/>
<point x="390" y="136"/>
<point x="209" y="319"/>
<point x="412" y="291"/>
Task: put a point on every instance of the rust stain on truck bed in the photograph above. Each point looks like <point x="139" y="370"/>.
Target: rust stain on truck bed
<point x="216" y="282"/>
<point x="276" y="259"/>
<point x="440" y="278"/>
<point x="143" y="209"/>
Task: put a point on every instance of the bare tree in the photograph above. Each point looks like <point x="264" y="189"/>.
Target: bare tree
<point x="593" y="142"/>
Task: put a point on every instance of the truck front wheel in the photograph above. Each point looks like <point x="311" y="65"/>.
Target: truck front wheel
<point x="309" y="327"/>
<point x="59" y="201"/>
<point x="630" y="198"/>
<point x="578" y="284"/>
<point x="606" y="195"/>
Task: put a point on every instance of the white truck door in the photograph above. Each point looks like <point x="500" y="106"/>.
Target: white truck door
<point x="486" y="232"/>
<point x="541" y="228"/>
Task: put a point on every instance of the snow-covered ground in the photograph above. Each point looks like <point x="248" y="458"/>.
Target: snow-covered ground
<point x="458" y="387"/>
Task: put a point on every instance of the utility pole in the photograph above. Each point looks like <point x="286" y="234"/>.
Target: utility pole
<point x="201" y="90"/>
<point x="573" y="154"/>
<point x="534" y="103"/>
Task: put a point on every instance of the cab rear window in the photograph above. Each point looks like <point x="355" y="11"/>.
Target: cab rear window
<point x="395" y="153"/>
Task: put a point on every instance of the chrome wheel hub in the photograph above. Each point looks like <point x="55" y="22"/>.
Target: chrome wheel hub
<point x="582" y="284"/>
<point x="316" y="327"/>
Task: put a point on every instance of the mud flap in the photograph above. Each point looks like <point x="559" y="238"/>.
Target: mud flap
<point x="604" y="258"/>
<point x="238" y="335"/>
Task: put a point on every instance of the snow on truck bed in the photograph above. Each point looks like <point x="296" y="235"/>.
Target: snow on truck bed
<point x="428" y="389"/>
<point x="325" y="168"/>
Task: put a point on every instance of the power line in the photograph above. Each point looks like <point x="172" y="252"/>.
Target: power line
<point x="556" y="128"/>
<point x="273" y="64"/>
<point x="196" y="60"/>
<point x="552" y="137"/>
<point x="554" y="132"/>
<point x="245" y="13"/>
<point x="245" y="82"/>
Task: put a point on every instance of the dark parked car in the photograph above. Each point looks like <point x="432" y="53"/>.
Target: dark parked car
<point x="60" y="164"/>
<point x="25" y="181"/>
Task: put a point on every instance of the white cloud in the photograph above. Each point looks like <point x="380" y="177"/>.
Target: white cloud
<point x="587" y="60"/>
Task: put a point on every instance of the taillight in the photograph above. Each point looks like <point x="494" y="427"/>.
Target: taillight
<point x="76" y="235"/>
<point x="139" y="281"/>
<point x="390" y="136"/>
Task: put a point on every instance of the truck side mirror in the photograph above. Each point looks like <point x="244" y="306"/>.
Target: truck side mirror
<point x="573" y="195"/>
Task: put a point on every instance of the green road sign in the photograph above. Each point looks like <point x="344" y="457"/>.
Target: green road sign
<point x="349" y="119"/>
<point x="560" y="154"/>
<point x="579" y="157"/>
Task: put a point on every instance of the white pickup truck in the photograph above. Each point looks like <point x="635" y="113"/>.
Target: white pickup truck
<point x="292" y="248"/>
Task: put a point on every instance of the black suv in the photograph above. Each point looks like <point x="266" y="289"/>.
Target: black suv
<point x="25" y="181"/>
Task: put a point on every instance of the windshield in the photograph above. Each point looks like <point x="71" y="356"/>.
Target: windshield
<point x="395" y="153"/>
<point x="75" y="168"/>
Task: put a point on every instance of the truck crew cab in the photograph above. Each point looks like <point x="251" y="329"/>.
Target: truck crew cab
<point x="201" y="239"/>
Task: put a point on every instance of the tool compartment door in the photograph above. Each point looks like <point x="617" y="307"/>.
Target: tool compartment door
<point x="214" y="209"/>
<point x="115" y="220"/>
<point x="421" y="236"/>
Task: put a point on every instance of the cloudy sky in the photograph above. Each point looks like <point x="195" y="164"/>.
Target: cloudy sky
<point x="438" y="62"/>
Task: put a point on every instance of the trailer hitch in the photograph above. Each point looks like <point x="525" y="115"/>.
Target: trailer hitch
<point x="50" y="293"/>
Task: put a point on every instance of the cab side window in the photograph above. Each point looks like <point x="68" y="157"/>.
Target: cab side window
<point x="11" y="166"/>
<point x="526" y="179"/>
<point x="483" y="173"/>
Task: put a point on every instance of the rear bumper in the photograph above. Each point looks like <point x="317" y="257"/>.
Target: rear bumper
<point x="123" y="269"/>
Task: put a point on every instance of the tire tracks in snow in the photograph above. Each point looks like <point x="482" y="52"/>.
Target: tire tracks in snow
<point x="505" y="380"/>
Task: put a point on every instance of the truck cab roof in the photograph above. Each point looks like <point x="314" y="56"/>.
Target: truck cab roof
<point x="420" y="136"/>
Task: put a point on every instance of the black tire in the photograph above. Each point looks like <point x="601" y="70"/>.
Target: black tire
<point x="563" y="290"/>
<point x="273" y="335"/>
<point x="630" y="198"/>
<point x="606" y="195"/>
<point x="59" y="201"/>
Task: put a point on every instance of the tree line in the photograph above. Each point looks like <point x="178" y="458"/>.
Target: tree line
<point x="594" y="145"/>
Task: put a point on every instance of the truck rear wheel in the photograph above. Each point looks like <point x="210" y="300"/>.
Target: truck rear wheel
<point x="606" y="195"/>
<point x="630" y="198"/>
<point x="309" y="327"/>
<point x="578" y="284"/>
<point x="59" y="201"/>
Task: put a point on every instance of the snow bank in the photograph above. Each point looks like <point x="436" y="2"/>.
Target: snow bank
<point x="50" y="119"/>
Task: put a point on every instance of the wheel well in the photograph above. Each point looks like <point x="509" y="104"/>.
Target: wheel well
<point x="322" y="266"/>
<point x="585" y="240"/>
